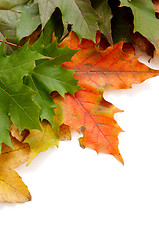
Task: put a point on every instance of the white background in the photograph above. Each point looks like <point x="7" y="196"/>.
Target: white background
<point x="79" y="195"/>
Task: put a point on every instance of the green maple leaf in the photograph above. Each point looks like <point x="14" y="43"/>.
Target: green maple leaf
<point x="49" y="75"/>
<point x="16" y="102"/>
<point x="145" y="20"/>
<point x="76" y="12"/>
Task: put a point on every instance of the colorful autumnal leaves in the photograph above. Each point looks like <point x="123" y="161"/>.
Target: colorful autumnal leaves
<point x="96" y="70"/>
<point x="53" y="75"/>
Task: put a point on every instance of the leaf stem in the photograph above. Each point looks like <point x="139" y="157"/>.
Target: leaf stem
<point x="11" y="44"/>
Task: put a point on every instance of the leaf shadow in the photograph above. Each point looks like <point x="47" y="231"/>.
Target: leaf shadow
<point x="37" y="162"/>
<point x="4" y="205"/>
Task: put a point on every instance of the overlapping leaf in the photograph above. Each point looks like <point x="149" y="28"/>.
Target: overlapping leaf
<point x="78" y="13"/>
<point x="40" y="141"/>
<point x="145" y="20"/>
<point x="103" y="9"/>
<point x="12" y="188"/>
<point x="96" y="70"/>
<point x="50" y="76"/>
<point x="16" y="102"/>
<point x="90" y="114"/>
<point x="32" y="74"/>
<point x="28" y="21"/>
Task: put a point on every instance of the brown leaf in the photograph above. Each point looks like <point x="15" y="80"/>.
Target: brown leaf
<point x="142" y="43"/>
<point x="12" y="158"/>
<point x="64" y="133"/>
<point x="15" y="133"/>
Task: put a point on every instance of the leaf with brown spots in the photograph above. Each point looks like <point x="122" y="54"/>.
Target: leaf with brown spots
<point x="90" y="114"/>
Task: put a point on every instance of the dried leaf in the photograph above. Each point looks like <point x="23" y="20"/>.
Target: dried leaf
<point x="64" y="133"/>
<point x="19" y="136"/>
<point x="142" y="43"/>
<point x="12" y="188"/>
<point x="11" y="158"/>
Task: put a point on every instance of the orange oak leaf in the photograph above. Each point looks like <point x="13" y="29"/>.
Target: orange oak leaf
<point x="90" y="114"/>
<point x="96" y="70"/>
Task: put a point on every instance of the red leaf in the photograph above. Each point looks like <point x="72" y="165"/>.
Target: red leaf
<point x="90" y="114"/>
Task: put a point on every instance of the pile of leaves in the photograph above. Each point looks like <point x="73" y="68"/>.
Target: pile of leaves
<point x="56" y="60"/>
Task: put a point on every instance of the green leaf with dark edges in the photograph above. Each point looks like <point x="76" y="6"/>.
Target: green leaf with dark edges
<point x="78" y="13"/>
<point x="104" y="22"/>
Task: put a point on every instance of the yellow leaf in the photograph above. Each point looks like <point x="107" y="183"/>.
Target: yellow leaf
<point x="40" y="141"/>
<point x="12" y="188"/>
<point x="13" y="157"/>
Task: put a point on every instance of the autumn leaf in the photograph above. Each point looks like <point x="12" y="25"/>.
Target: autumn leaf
<point x="14" y="131"/>
<point x="12" y="188"/>
<point x="90" y="114"/>
<point x="64" y="132"/>
<point x="40" y="141"/>
<point x="96" y="70"/>
<point x="61" y="82"/>
<point x="156" y="5"/>
<point x="142" y="43"/>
